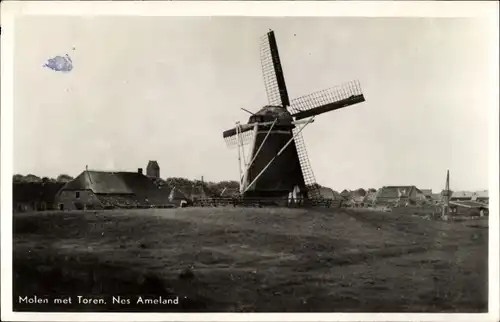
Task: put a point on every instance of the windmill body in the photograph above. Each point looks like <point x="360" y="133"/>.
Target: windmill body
<point x="276" y="164"/>
<point x="285" y="172"/>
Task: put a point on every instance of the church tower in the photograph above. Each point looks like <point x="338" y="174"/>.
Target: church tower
<point x="153" y="169"/>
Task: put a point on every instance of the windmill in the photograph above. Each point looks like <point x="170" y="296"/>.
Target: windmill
<point x="276" y="164"/>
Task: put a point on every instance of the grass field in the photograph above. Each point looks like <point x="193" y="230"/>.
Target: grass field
<point x="253" y="260"/>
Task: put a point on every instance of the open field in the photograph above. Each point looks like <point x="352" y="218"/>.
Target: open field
<point x="253" y="260"/>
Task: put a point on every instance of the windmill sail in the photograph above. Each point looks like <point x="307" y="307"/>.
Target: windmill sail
<point x="244" y="137"/>
<point x="327" y="100"/>
<point x="307" y="172"/>
<point x="272" y="71"/>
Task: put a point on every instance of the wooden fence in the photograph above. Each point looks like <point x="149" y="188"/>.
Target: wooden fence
<point x="266" y="202"/>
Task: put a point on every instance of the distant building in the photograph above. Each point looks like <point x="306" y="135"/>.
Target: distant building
<point x="99" y="189"/>
<point x="328" y="193"/>
<point x="399" y="195"/>
<point x="153" y="169"/>
<point x="427" y="193"/>
<point x="461" y="196"/>
<point x="354" y="198"/>
<point x="479" y="196"/>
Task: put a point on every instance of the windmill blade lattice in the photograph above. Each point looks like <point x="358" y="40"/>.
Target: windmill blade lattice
<point x="309" y="179"/>
<point x="272" y="71"/>
<point x="327" y="100"/>
<point x="245" y="137"/>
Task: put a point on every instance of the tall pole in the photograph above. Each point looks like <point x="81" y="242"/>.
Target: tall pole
<point x="239" y="155"/>
<point x="252" y="147"/>
<point x="446" y="201"/>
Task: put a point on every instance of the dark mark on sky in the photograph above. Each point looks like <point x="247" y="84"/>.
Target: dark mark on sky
<point x="60" y="63"/>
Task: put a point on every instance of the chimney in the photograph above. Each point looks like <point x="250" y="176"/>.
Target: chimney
<point x="139" y="170"/>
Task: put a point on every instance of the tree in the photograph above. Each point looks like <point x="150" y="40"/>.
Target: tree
<point x="361" y="192"/>
<point x="32" y="178"/>
<point x="48" y="180"/>
<point x="18" y="178"/>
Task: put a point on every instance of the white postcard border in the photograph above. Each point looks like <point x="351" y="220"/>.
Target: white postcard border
<point x="11" y="9"/>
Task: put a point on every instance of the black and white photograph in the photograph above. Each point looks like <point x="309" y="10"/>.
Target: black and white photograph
<point x="231" y="163"/>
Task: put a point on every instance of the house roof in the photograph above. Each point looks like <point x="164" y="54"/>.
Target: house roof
<point x="481" y="194"/>
<point x="35" y="191"/>
<point x="462" y="194"/>
<point x="101" y="182"/>
<point x="436" y="196"/>
<point x="327" y="193"/>
<point x="123" y="183"/>
<point x="427" y="192"/>
<point x="394" y="191"/>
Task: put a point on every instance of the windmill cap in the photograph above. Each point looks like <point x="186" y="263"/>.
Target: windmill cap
<point x="269" y="113"/>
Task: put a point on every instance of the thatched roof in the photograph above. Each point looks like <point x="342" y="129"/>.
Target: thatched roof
<point x="121" y="183"/>
<point x="101" y="182"/>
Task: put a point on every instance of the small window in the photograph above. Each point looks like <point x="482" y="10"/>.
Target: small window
<point x="77" y="194"/>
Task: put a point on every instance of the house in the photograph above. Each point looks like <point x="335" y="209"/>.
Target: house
<point x="427" y="193"/>
<point x="328" y="193"/>
<point x="399" y="195"/>
<point x="100" y="189"/>
<point x="34" y="196"/>
<point x="461" y="196"/>
<point x="481" y="196"/>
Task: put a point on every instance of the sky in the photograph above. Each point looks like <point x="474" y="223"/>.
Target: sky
<point x="165" y="88"/>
